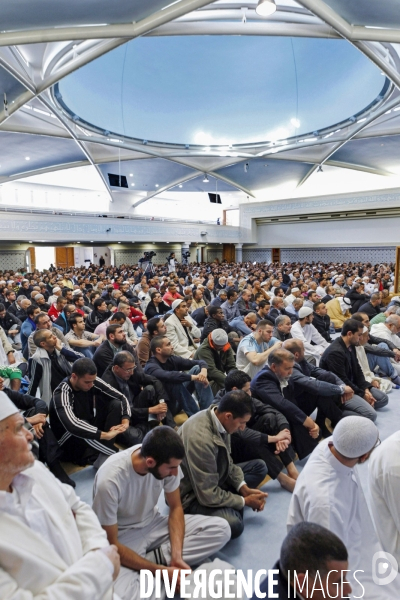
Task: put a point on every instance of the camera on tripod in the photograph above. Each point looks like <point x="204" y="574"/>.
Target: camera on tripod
<point x="149" y="255"/>
<point x="185" y="255"/>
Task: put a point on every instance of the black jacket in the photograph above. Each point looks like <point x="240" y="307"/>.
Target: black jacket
<point x="172" y="371"/>
<point x="306" y="378"/>
<point x="356" y="300"/>
<point x="322" y="325"/>
<point x="210" y="324"/>
<point x="10" y="321"/>
<point x="136" y="383"/>
<point x="152" y="312"/>
<point x="15" y="310"/>
<point x="344" y="363"/>
<point x="326" y="298"/>
<point x="66" y="415"/>
<point x="104" y="356"/>
<point x="96" y="318"/>
<point x="199" y="315"/>
<point x="26" y="402"/>
<point x="369" y="310"/>
<point x="266" y="387"/>
<point x="274" y="313"/>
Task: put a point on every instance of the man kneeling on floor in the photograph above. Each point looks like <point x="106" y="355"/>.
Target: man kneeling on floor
<point x="126" y="491"/>
<point x="212" y="484"/>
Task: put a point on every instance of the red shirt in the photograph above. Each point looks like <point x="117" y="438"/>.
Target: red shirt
<point x="169" y="298"/>
<point x="53" y="313"/>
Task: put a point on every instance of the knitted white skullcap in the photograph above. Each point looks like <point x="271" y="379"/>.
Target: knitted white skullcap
<point x="219" y="337"/>
<point x="305" y="311"/>
<point x="176" y="303"/>
<point x="355" y="436"/>
<point x="295" y="289"/>
<point x="7" y="408"/>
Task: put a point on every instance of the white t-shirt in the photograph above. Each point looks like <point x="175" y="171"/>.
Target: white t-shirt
<point x="123" y="496"/>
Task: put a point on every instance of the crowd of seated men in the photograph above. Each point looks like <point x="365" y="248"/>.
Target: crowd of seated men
<point x="246" y="367"/>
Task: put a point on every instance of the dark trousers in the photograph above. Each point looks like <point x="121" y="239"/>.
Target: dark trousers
<point x="249" y="445"/>
<point x="85" y="451"/>
<point x="49" y="450"/>
<point x="254" y="472"/>
<point x="137" y="430"/>
<point x="328" y="406"/>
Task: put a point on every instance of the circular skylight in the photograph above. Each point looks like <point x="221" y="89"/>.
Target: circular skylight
<point x="220" y="90"/>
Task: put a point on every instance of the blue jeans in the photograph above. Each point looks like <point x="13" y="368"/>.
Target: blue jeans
<point x="254" y="472"/>
<point x="181" y="394"/>
<point x="88" y="351"/>
<point x="383" y="362"/>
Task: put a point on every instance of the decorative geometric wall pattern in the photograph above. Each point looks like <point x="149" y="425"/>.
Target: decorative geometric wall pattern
<point x="257" y="255"/>
<point x="127" y="257"/>
<point x="213" y="254"/>
<point x="374" y="255"/>
<point x="14" y="261"/>
<point x="378" y="254"/>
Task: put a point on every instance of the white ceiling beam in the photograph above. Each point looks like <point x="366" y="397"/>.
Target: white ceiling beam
<point x="252" y="28"/>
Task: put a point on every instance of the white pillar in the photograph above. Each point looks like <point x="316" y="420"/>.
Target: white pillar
<point x="238" y="253"/>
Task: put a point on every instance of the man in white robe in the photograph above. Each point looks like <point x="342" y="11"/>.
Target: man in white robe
<point x="328" y="492"/>
<point x="51" y="544"/>
<point x="384" y="484"/>
<point x="304" y="330"/>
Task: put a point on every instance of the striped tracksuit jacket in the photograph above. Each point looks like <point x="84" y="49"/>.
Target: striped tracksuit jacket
<point x="69" y="418"/>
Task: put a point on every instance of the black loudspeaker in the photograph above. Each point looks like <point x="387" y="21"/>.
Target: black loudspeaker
<point x="215" y="198"/>
<point x="117" y="180"/>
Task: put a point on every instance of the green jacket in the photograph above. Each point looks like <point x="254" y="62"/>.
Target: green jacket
<point x="219" y="364"/>
<point x="208" y="467"/>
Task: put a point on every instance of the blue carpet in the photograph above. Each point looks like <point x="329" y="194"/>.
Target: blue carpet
<point x="259" y="546"/>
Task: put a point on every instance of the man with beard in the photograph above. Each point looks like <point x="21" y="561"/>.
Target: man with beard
<point x="126" y="491"/>
<point x="268" y="386"/>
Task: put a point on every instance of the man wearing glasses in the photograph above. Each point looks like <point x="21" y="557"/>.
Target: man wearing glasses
<point x="156" y="306"/>
<point x="329" y="492"/>
<point x="146" y="396"/>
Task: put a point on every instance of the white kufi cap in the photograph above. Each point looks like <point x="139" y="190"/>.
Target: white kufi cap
<point x="7" y="408"/>
<point x="355" y="436"/>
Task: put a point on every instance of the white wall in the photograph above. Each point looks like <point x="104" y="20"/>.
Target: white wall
<point x="44" y="256"/>
<point x="367" y="232"/>
<point x="103" y="251"/>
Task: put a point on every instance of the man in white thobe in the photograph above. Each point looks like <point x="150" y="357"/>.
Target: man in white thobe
<point x="51" y="544"/>
<point x="329" y="492"/>
<point x="305" y="331"/>
<point x="384" y="485"/>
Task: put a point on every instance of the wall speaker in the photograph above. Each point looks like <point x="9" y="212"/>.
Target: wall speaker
<point x="117" y="180"/>
<point x="215" y="198"/>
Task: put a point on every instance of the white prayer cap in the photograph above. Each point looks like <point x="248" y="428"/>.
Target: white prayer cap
<point x="304" y="312"/>
<point x="176" y="303"/>
<point x="56" y="289"/>
<point x="7" y="408"/>
<point x="295" y="289"/>
<point x="355" y="436"/>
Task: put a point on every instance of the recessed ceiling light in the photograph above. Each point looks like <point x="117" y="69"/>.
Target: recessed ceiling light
<point x="157" y="185"/>
<point x="205" y="180"/>
<point x="130" y="174"/>
<point x="29" y="241"/>
<point x="27" y="158"/>
<point x="132" y="184"/>
<point x="91" y="241"/>
<point x="119" y="242"/>
<point x="78" y="242"/>
<point x="265" y="8"/>
<point x="180" y="185"/>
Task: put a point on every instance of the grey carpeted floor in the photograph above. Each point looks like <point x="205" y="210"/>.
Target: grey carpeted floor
<point x="258" y="547"/>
